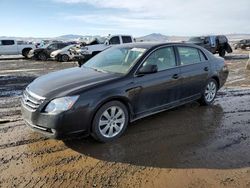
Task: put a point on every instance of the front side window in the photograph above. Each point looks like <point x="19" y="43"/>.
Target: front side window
<point x="114" y="40"/>
<point x="8" y="42"/>
<point x="164" y="58"/>
<point x="115" y="60"/>
<point x="188" y="55"/>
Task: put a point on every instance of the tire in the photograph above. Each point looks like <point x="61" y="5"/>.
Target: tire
<point x="222" y="52"/>
<point x="64" y="58"/>
<point x="110" y="121"/>
<point x="25" y="52"/>
<point x="42" y="56"/>
<point x="209" y="92"/>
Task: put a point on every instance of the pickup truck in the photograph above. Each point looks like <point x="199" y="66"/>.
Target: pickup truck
<point x="14" y="47"/>
<point x="89" y="51"/>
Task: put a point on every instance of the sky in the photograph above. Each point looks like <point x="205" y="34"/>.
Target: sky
<point x="52" y="18"/>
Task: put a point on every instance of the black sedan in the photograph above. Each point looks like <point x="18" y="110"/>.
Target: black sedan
<point x="120" y="85"/>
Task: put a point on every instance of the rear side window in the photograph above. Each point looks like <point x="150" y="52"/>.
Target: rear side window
<point x="114" y="40"/>
<point x="8" y="42"/>
<point x="189" y="55"/>
<point x="126" y="39"/>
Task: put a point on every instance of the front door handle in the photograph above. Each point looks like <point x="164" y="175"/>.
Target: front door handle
<point x="175" y="76"/>
<point x="206" y="69"/>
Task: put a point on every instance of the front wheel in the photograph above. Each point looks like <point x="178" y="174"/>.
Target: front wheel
<point x="64" y="58"/>
<point x="209" y="92"/>
<point x="110" y="121"/>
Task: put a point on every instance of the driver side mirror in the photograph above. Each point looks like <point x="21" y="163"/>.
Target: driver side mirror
<point x="148" y="69"/>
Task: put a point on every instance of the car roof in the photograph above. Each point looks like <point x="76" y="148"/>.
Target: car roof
<point x="149" y="45"/>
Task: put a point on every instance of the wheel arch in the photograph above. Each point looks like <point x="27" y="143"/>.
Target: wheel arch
<point x="216" y="78"/>
<point x="26" y="49"/>
<point x="120" y="99"/>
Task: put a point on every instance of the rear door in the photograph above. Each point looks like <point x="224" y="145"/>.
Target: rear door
<point x="156" y="91"/>
<point x="194" y="67"/>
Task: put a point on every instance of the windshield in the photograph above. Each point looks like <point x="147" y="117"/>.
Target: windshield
<point x="116" y="60"/>
<point x="52" y="47"/>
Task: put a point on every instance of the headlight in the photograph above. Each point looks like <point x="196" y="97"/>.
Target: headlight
<point x="60" y="104"/>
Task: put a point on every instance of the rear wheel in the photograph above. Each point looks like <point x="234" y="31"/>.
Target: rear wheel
<point x="25" y="52"/>
<point x="209" y="92"/>
<point x="110" y="121"/>
<point x="42" y="56"/>
<point x="222" y="52"/>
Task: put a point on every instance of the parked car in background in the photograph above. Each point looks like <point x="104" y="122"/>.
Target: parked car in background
<point x="215" y="44"/>
<point x="14" y="47"/>
<point x="44" y="53"/>
<point x="243" y="44"/>
<point x="92" y="49"/>
<point x="120" y="85"/>
<point x="66" y="54"/>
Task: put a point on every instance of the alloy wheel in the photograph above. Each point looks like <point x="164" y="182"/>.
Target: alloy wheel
<point x="210" y="91"/>
<point x="111" y="121"/>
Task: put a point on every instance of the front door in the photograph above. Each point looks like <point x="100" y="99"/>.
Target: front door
<point x="155" y="91"/>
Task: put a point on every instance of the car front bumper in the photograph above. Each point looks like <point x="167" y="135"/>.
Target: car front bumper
<point x="55" y="126"/>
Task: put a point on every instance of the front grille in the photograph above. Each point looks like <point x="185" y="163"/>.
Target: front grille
<point x="31" y="100"/>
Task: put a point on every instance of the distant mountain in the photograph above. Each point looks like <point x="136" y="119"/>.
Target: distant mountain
<point x="69" y="37"/>
<point x="153" y="37"/>
<point x="235" y="37"/>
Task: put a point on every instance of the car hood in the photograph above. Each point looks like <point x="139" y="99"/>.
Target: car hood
<point x="56" y="52"/>
<point x="68" y="81"/>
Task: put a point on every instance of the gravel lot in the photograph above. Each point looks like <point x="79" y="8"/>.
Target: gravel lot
<point x="189" y="146"/>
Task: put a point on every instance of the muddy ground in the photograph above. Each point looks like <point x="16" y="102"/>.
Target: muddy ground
<point x="189" y="146"/>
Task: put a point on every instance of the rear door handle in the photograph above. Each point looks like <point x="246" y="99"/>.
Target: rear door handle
<point x="206" y="69"/>
<point x="175" y="76"/>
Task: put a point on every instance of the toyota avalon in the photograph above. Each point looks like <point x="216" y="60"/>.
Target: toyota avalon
<point x="120" y="85"/>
